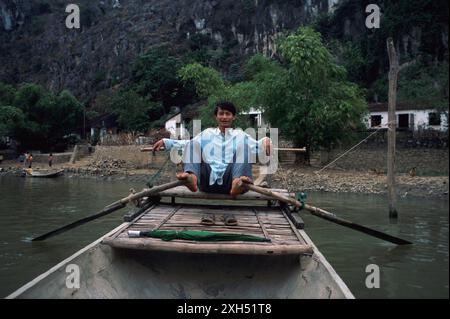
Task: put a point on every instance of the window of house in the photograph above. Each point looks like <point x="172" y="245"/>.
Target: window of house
<point x="403" y="121"/>
<point x="253" y="120"/>
<point x="375" y="120"/>
<point x="178" y="130"/>
<point x="434" y="119"/>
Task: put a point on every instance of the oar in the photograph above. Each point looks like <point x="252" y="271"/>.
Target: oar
<point x="111" y="208"/>
<point x="327" y="215"/>
<point x="301" y="150"/>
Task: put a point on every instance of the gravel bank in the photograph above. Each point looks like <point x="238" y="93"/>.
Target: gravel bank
<point x="293" y="178"/>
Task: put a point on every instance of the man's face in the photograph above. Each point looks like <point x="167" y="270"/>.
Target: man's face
<point x="225" y="118"/>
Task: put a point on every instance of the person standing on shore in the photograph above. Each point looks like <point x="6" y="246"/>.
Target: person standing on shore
<point x="25" y="159"/>
<point x="30" y="160"/>
<point x="50" y="160"/>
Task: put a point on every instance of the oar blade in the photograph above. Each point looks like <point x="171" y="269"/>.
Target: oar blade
<point x="77" y="223"/>
<point x="111" y="208"/>
<point x="364" y="229"/>
<point x="329" y="216"/>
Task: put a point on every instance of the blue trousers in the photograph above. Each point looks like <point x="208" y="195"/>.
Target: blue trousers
<point x="203" y="170"/>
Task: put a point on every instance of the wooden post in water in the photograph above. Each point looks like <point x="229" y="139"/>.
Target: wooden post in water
<point x="392" y="124"/>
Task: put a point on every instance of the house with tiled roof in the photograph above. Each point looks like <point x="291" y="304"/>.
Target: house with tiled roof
<point x="409" y="116"/>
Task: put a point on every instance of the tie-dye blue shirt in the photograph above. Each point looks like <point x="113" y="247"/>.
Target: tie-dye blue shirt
<point x="219" y="149"/>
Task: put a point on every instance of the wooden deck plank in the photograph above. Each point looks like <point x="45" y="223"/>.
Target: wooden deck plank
<point x="209" y="248"/>
<point x="281" y="240"/>
<point x="183" y="192"/>
<point x="231" y="228"/>
<point x="268" y="222"/>
<point x="179" y="215"/>
<point x="218" y="223"/>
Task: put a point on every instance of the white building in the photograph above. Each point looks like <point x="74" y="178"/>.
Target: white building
<point x="409" y="117"/>
<point x="176" y="126"/>
<point x="256" y="117"/>
<point x="178" y="123"/>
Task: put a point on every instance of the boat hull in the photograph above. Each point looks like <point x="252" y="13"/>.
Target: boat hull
<point x="43" y="174"/>
<point x="107" y="272"/>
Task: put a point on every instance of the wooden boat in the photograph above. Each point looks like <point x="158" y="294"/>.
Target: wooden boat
<point x="43" y="173"/>
<point x="119" y="266"/>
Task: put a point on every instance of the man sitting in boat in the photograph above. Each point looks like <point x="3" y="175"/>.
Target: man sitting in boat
<point x="220" y="171"/>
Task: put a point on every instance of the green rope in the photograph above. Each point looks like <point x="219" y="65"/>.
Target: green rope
<point x="157" y="175"/>
<point x="301" y="197"/>
<point x="196" y="235"/>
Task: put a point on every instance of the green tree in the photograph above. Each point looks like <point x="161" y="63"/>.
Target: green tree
<point x="423" y="21"/>
<point x="206" y="81"/>
<point x="7" y="94"/>
<point x="134" y="112"/>
<point x="11" y="121"/>
<point x="310" y="100"/>
<point x="418" y="83"/>
<point x="66" y="115"/>
<point x="154" y="76"/>
<point x="209" y="84"/>
<point x="48" y="117"/>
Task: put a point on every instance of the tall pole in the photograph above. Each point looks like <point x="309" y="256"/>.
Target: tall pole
<point x="84" y="122"/>
<point x="392" y="124"/>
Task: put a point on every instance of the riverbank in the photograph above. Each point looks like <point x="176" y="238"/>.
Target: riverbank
<point x="291" y="177"/>
<point x="306" y="179"/>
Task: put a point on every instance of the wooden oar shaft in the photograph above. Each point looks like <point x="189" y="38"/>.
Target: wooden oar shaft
<point x="291" y="149"/>
<point x="148" y="192"/>
<point x="327" y="215"/>
<point x="150" y="149"/>
<point x="111" y="208"/>
<point x="105" y="211"/>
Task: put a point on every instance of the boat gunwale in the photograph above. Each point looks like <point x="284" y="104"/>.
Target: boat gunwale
<point x="318" y="255"/>
<point x="58" y="266"/>
<point x="234" y="248"/>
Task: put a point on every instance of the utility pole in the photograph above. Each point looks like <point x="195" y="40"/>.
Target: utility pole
<point x="84" y="122"/>
<point x="392" y="124"/>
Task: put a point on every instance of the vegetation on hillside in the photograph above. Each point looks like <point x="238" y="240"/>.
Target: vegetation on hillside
<point x="421" y="23"/>
<point x="314" y="89"/>
<point x="37" y="118"/>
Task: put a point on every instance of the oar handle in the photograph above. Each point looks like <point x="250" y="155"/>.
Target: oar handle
<point x="268" y="192"/>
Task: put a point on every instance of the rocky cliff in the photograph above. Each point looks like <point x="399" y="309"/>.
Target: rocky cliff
<point x="36" y="45"/>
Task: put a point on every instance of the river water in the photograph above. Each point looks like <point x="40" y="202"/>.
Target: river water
<point x="29" y="207"/>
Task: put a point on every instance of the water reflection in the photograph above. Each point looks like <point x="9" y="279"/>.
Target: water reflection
<point x="416" y="271"/>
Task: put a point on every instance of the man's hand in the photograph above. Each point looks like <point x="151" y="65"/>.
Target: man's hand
<point x="158" y="145"/>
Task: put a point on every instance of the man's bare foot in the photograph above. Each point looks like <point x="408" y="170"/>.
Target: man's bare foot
<point x="237" y="189"/>
<point x="191" y="178"/>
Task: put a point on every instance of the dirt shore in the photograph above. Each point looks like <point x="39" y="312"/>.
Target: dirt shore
<point x="292" y="177"/>
<point x="305" y="178"/>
